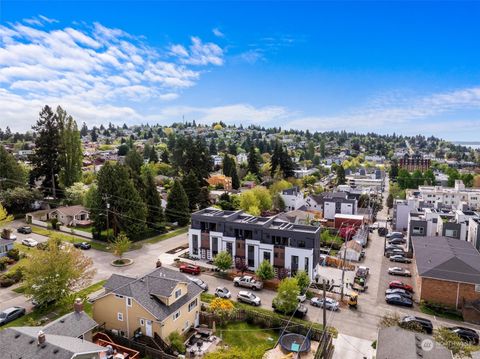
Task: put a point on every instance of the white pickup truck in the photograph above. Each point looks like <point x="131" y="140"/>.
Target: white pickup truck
<point x="247" y="282"/>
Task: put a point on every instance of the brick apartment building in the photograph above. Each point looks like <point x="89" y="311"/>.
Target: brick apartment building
<point x="250" y="240"/>
<point x="414" y="162"/>
<point x="448" y="273"/>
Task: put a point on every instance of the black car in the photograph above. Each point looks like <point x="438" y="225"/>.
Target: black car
<point x="82" y="245"/>
<point x="466" y="334"/>
<point x="397" y="299"/>
<point x="424" y="323"/>
<point x="399" y="258"/>
<point x="24" y="230"/>
<point x="397" y="241"/>
<point x="301" y="311"/>
<point x="11" y="314"/>
<point x="382" y="231"/>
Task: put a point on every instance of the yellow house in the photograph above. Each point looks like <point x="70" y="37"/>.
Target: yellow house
<point x="159" y="302"/>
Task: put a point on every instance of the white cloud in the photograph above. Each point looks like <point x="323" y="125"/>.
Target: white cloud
<point x="252" y="56"/>
<point x="198" y="53"/>
<point x="216" y="31"/>
<point x="90" y="69"/>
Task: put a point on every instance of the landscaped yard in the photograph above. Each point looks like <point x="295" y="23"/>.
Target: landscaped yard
<point x="250" y="340"/>
<point x="168" y="235"/>
<point x="57" y="310"/>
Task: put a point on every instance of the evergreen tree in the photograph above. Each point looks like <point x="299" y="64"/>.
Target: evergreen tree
<point x="230" y="170"/>
<point x="127" y="212"/>
<point x="204" y="198"/>
<point x="146" y="151"/>
<point x="155" y="216"/>
<point x="153" y="155"/>
<point x="213" y="147"/>
<point x="286" y="165"/>
<point x="177" y="205"/>
<point x="134" y="161"/>
<point x="94" y="135"/>
<point x="45" y="160"/>
<point x="164" y="157"/>
<point x="192" y="189"/>
<point x="71" y="154"/>
<point x="340" y="171"/>
<point x="11" y="173"/>
<point x="253" y="160"/>
<point x="84" y="130"/>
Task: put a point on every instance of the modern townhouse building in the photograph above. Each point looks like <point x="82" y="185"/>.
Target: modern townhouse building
<point x="293" y="198"/>
<point x="250" y="240"/>
<point x="455" y="197"/>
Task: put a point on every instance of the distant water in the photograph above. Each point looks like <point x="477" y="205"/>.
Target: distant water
<point x="472" y="144"/>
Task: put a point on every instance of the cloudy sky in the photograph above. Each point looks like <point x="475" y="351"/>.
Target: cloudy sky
<point x="379" y="66"/>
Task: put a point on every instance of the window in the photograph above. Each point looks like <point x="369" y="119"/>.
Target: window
<point x="477" y="287"/>
<point x="129" y="302"/>
<point x="418" y="230"/>
<point x="229" y="248"/>
<point x="142" y="322"/>
<point x="451" y="233"/>
<point x="195" y="244"/>
<point x="176" y="315"/>
<point x="192" y="305"/>
<point x="178" y="293"/>
<point x="251" y="256"/>
<point x="307" y="264"/>
<point x="266" y="256"/>
<point x="119" y="296"/>
<point x="301" y="244"/>
<point x="294" y="262"/>
<point x="120" y="316"/>
<point x="187" y="325"/>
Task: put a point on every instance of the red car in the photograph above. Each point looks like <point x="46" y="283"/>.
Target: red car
<point x="397" y="284"/>
<point x="190" y="268"/>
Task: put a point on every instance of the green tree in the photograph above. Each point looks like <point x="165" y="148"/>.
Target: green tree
<point x="153" y="158"/>
<point x="75" y="194"/>
<point x="127" y="211"/>
<point x="390" y="200"/>
<point x="303" y="280"/>
<point x="11" y="173"/>
<point x="177" y="342"/>
<point x="340" y="172"/>
<point x="71" y="154"/>
<point x="393" y="173"/>
<point x="94" y="135"/>
<point x="230" y="170"/>
<point x="134" y="161"/>
<point x="4" y="216"/>
<point x="155" y="216"/>
<point x="286" y="300"/>
<point x="404" y="179"/>
<point x="192" y="189"/>
<point x="223" y="261"/>
<point x="204" y="198"/>
<point x="322" y="149"/>
<point x="453" y="175"/>
<point x="279" y="186"/>
<point x="429" y="177"/>
<point x="19" y="199"/>
<point x="54" y="273"/>
<point x="120" y="245"/>
<point x="265" y="271"/>
<point x="45" y="161"/>
<point x="453" y="342"/>
<point x="417" y="179"/>
<point x="253" y="162"/>
<point x="177" y="205"/>
<point x="278" y="203"/>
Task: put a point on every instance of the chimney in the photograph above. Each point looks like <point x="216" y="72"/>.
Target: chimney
<point x="41" y="338"/>
<point x="78" y="305"/>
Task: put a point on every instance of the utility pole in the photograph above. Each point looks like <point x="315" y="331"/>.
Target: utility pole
<point x="323" y="340"/>
<point x="343" y="265"/>
<point x="105" y="197"/>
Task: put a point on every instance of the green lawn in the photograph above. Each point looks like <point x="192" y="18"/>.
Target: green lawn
<point x="168" y="235"/>
<point x="68" y="238"/>
<point x="56" y="311"/>
<point x="249" y="338"/>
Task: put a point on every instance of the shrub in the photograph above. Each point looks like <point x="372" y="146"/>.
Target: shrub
<point x="14" y="254"/>
<point x="3" y="263"/>
<point x="6" y="282"/>
<point x="176" y="342"/>
<point x="16" y="275"/>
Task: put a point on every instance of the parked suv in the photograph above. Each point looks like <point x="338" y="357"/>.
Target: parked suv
<point x="190" y="268"/>
<point x="24" y="230"/>
<point x="424" y="323"/>
<point x="466" y="334"/>
<point x="249" y="298"/>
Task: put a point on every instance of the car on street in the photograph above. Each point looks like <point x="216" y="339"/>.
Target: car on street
<point x="425" y="324"/>
<point x="330" y="304"/>
<point x="249" y="298"/>
<point x="397" y="284"/>
<point x="397" y="241"/>
<point x="399" y="271"/>
<point x="382" y="231"/>
<point x="302" y="297"/>
<point x="466" y="334"/>
<point x="394" y="251"/>
<point x="200" y="283"/>
<point x="11" y="314"/>
<point x="190" y="268"/>
<point x="24" y="230"/>
<point x="394" y="235"/>
<point x="223" y="292"/>
<point x="247" y="282"/>
<point x="399" y="291"/>
<point x="397" y="299"/>
<point x="399" y="258"/>
<point x="29" y="242"/>
<point x="82" y="245"/>
<point x="300" y="312"/>
<point x="393" y="246"/>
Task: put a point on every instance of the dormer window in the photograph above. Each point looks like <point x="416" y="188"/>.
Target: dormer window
<point x="178" y="293"/>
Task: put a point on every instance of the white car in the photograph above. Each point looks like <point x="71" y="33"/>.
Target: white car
<point x="302" y="297"/>
<point x="249" y="298"/>
<point x="200" y="283"/>
<point x="223" y="292"/>
<point x="29" y="242"/>
<point x="330" y="304"/>
<point x="399" y="271"/>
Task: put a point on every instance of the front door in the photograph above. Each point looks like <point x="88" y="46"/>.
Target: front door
<point x="148" y="328"/>
<point x="197" y="319"/>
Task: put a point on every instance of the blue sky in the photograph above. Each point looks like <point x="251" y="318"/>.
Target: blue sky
<point x="409" y="67"/>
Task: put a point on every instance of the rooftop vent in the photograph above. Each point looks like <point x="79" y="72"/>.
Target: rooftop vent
<point x="78" y="305"/>
<point x="41" y="338"/>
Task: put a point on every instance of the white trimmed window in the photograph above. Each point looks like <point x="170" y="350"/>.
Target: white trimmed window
<point x="176" y="315"/>
<point x="192" y="305"/>
<point x="129" y="302"/>
<point x="178" y="293"/>
<point x="142" y="322"/>
<point x="120" y="316"/>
